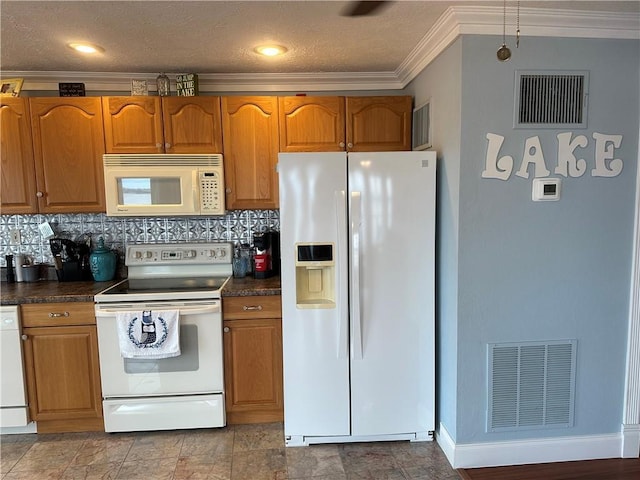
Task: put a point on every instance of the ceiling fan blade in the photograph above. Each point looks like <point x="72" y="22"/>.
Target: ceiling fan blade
<point x="363" y="8"/>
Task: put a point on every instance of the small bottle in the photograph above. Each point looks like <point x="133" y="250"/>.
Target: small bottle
<point x="163" y="85"/>
<point x="11" y="275"/>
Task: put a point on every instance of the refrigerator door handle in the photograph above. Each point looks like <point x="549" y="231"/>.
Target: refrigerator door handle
<point x="343" y="312"/>
<point x="356" y="317"/>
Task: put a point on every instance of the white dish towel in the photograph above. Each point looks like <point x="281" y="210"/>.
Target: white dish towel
<point x="149" y="333"/>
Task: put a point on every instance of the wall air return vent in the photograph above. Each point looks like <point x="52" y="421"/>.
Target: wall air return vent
<point x="421" y="127"/>
<point x="531" y="385"/>
<point x="555" y="99"/>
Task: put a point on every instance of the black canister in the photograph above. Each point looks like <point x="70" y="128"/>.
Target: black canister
<point x="11" y="274"/>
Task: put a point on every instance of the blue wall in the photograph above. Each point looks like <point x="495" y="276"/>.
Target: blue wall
<point x="529" y="271"/>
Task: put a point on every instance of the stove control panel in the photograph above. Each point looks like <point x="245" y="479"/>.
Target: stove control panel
<point x="179" y="254"/>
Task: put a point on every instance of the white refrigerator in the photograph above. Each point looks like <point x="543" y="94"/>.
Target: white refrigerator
<point x="357" y="256"/>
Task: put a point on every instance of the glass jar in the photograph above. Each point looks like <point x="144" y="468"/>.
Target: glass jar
<point x="163" y="85"/>
<point x="239" y="266"/>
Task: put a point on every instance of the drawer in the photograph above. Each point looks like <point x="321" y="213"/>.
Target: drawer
<point x="255" y="306"/>
<point x="57" y="314"/>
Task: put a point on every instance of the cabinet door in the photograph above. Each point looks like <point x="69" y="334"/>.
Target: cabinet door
<point x="18" y="194"/>
<point x="312" y="124"/>
<point x="68" y="144"/>
<point x="63" y="375"/>
<point x="133" y="124"/>
<point x="379" y="124"/>
<point x="192" y="124"/>
<point x="250" y="130"/>
<point x="253" y="370"/>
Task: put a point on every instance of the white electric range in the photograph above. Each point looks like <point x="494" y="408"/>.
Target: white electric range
<point x="185" y="391"/>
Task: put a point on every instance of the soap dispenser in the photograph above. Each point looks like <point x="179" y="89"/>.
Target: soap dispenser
<point x="102" y="262"/>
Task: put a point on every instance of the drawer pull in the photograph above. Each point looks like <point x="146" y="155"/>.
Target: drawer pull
<point x="58" y="314"/>
<point x="247" y="308"/>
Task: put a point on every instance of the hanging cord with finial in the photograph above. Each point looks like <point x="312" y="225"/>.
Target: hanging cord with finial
<point x="504" y="21"/>
<point x="518" y="26"/>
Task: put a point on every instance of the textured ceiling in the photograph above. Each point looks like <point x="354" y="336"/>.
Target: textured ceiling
<point x="219" y="36"/>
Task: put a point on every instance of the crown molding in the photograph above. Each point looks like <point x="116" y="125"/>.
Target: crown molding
<point x="534" y="22"/>
<point x="217" y="82"/>
<point x="455" y="21"/>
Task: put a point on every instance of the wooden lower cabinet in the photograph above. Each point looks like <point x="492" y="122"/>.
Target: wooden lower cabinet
<point x="62" y="368"/>
<point x="253" y="359"/>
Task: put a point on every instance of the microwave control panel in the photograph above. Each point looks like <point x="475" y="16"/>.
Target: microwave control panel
<point x="211" y="192"/>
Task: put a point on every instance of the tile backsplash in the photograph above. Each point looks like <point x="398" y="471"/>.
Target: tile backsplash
<point x="118" y="232"/>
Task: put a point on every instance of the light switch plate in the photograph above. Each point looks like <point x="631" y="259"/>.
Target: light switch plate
<point x="545" y="190"/>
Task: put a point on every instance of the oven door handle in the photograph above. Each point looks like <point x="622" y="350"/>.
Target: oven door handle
<point x="182" y="309"/>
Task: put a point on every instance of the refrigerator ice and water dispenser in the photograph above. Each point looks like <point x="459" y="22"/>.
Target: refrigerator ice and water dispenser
<point x="315" y="274"/>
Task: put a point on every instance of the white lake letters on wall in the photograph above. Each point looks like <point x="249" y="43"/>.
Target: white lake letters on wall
<point x="568" y="165"/>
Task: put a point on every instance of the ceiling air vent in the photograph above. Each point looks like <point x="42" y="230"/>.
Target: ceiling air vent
<point x="421" y="137"/>
<point x="531" y="385"/>
<point x="551" y="99"/>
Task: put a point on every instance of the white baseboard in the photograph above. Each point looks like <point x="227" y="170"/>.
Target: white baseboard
<point x="630" y="441"/>
<point x="519" y="452"/>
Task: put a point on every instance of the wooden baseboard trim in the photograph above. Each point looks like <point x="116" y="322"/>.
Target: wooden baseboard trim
<point x="243" y="418"/>
<point x="68" y="426"/>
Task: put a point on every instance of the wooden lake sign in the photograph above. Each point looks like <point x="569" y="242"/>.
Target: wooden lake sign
<point x="187" y="85"/>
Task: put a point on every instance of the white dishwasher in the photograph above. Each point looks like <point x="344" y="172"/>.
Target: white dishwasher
<point x="13" y="395"/>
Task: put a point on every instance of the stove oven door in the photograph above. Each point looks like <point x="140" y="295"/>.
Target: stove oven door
<point x="197" y="370"/>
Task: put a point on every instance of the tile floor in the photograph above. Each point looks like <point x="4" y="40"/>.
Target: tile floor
<point x="241" y="452"/>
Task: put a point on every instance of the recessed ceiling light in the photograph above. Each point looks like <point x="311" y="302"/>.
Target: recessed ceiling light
<point x="270" y="50"/>
<point x="86" y="47"/>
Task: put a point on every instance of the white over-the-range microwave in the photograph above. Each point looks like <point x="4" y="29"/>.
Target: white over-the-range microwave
<point x="164" y="184"/>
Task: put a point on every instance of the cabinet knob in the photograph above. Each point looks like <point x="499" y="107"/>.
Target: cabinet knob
<point x="226" y="329"/>
<point x="39" y="194"/>
<point x="167" y="146"/>
<point x="341" y="144"/>
<point x="159" y="146"/>
<point x="24" y="337"/>
<point x="349" y="145"/>
<point x="228" y="190"/>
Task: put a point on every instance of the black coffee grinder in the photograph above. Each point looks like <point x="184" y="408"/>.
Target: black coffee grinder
<point x="267" y="255"/>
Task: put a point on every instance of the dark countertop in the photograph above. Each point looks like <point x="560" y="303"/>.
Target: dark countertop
<point x="243" y="287"/>
<point x="50" y="291"/>
<point x="54" y="291"/>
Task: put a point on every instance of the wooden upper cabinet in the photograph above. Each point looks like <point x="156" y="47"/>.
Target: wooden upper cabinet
<point x="379" y="124"/>
<point x="162" y="124"/>
<point x="250" y="132"/>
<point x="192" y="124"/>
<point x="312" y="124"/>
<point x="68" y="144"/>
<point x="133" y="124"/>
<point x="338" y="124"/>
<point x="18" y="187"/>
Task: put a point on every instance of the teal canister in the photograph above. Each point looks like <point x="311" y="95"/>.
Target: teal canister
<point x="102" y="262"/>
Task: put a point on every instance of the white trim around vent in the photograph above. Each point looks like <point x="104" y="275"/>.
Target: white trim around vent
<point x="551" y="99"/>
<point x="530" y="385"/>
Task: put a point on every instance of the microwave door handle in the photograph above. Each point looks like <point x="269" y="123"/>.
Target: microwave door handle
<point x="196" y="197"/>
